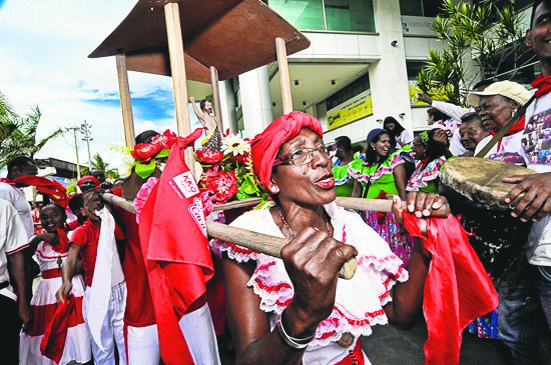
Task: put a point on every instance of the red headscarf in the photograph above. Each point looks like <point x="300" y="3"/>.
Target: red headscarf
<point x="49" y="186"/>
<point x="89" y="177"/>
<point x="266" y="145"/>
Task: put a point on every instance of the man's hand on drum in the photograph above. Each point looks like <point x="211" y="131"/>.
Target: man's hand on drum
<point x="313" y="260"/>
<point x="422" y="204"/>
<point x="536" y="204"/>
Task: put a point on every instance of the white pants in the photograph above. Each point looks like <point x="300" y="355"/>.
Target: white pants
<point x="112" y="327"/>
<point x="143" y="342"/>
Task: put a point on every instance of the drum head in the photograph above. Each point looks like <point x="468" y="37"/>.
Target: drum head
<point x="480" y="180"/>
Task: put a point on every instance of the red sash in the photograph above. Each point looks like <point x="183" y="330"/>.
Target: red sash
<point x="50" y="187"/>
<point x="455" y="276"/>
<point x="53" y="342"/>
<point x="175" y="249"/>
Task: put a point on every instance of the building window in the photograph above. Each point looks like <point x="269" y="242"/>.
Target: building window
<point x="426" y="8"/>
<point x="329" y="15"/>
<point x="517" y="5"/>
<point x="356" y="87"/>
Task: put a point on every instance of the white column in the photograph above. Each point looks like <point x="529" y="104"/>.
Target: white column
<point x="388" y="77"/>
<point x="227" y="106"/>
<point x="256" y="102"/>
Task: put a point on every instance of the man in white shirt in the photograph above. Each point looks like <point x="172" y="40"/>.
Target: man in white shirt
<point x="526" y="323"/>
<point x="455" y="112"/>
<point x="12" y="192"/>
<point x="14" y="307"/>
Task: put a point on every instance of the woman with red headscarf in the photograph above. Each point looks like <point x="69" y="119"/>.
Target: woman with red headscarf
<point x="294" y="310"/>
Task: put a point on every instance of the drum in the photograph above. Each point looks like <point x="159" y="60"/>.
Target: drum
<point x="475" y="191"/>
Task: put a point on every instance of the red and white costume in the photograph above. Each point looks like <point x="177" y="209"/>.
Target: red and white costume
<point x="359" y="302"/>
<point x="141" y="335"/>
<point x="105" y="295"/>
<point x="43" y="303"/>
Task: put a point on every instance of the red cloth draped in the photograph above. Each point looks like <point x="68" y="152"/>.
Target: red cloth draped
<point x="457" y="290"/>
<point x="265" y="146"/>
<point x="517" y="127"/>
<point x="175" y="248"/>
<point x="543" y="84"/>
<point x="63" y="245"/>
<point x="55" y="190"/>
<point x="53" y="342"/>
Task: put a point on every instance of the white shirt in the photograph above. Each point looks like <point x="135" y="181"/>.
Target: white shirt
<point x="13" y="238"/>
<point x="508" y="150"/>
<point x="536" y="143"/>
<point x="455" y="112"/>
<point x="16" y="197"/>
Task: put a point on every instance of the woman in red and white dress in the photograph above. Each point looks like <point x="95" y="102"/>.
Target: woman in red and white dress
<point x="51" y="252"/>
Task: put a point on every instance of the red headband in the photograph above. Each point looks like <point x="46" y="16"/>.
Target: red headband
<point x="266" y="145"/>
<point x="88" y="177"/>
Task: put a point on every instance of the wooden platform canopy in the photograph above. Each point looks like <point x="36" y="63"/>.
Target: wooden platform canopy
<point x="200" y="40"/>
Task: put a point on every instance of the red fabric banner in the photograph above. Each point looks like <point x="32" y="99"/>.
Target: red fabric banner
<point x="55" y="190"/>
<point x="176" y="252"/>
<point x="457" y="290"/>
<point x="55" y="335"/>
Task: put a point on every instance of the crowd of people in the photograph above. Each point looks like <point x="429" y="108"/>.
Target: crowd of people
<point x="78" y="282"/>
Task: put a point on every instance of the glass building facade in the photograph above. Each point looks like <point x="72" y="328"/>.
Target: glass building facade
<point x="327" y="15"/>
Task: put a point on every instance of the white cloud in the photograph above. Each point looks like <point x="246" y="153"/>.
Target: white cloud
<point x="44" y="61"/>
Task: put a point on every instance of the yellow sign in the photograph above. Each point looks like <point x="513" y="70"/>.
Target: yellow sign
<point x="413" y="91"/>
<point x="357" y="109"/>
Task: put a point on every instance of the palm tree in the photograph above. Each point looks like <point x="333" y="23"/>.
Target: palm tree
<point x="99" y="163"/>
<point x="22" y="138"/>
<point x="18" y="134"/>
<point x="489" y="34"/>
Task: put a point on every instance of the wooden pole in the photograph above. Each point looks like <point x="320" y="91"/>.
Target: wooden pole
<point x="178" y="70"/>
<point x="372" y="205"/>
<point x="126" y="103"/>
<point x="259" y="242"/>
<point x="216" y="97"/>
<point x="284" y="78"/>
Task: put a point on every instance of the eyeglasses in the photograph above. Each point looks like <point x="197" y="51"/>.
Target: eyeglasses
<point x="300" y="157"/>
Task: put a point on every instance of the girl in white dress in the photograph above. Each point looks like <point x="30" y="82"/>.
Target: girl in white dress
<point x="51" y="252"/>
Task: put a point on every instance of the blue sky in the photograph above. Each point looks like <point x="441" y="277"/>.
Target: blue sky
<point x="43" y="52"/>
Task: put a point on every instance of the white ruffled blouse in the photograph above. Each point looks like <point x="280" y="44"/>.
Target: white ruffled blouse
<point x="359" y="301"/>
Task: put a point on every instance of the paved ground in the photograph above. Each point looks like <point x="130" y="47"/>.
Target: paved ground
<point x="389" y="346"/>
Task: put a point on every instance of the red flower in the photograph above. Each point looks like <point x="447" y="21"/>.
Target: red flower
<point x="223" y="185"/>
<point x="144" y="152"/>
<point x="241" y="159"/>
<point x="209" y="157"/>
<point x="165" y="140"/>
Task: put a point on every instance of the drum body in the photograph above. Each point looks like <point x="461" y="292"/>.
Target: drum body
<point x="475" y="191"/>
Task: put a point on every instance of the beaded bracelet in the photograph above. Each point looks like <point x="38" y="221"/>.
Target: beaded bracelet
<point x="296" y="343"/>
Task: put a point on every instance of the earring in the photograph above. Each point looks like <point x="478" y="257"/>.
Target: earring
<point x="514" y="112"/>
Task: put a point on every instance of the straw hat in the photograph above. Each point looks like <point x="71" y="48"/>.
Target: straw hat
<point x="509" y="89"/>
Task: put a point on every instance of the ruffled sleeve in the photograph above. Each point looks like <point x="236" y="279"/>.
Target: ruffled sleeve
<point x="364" y="173"/>
<point x="421" y="179"/>
<point x="359" y="301"/>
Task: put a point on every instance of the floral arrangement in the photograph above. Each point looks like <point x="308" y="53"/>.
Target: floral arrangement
<point x="224" y="175"/>
<point x="145" y="154"/>
<point x="228" y="174"/>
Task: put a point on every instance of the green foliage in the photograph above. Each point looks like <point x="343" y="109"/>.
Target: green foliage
<point x="488" y="33"/>
<point x="99" y="163"/>
<point x="18" y="134"/>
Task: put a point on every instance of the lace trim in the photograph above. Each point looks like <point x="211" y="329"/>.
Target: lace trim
<point x="235" y="252"/>
<point x="276" y="296"/>
<point x="383" y="170"/>
<point x="421" y="179"/>
<point x="46" y="257"/>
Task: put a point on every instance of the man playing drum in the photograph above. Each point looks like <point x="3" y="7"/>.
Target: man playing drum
<point x="527" y="320"/>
